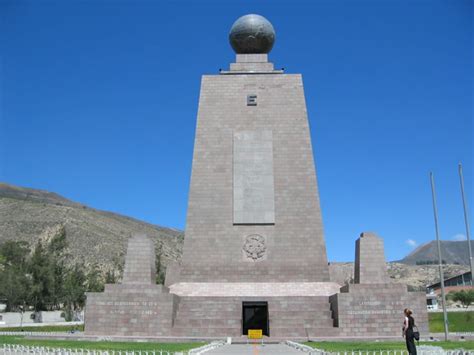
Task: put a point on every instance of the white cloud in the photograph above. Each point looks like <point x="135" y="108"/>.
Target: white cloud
<point x="458" y="237"/>
<point x="411" y="243"/>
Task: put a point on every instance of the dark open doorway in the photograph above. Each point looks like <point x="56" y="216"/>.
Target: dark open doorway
<point x="255" y="316"/>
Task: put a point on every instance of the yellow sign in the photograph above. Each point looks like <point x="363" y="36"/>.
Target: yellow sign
<point x="255" y="334"/>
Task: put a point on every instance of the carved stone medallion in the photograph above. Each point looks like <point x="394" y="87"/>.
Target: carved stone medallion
<point x="254" y="247"/>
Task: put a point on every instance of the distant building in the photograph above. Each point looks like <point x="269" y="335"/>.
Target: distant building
<point x="455" y="283"/>
<point x="432" y="301"/>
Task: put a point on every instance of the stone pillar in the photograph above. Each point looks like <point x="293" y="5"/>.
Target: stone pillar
<point x="140" y="265"/>
<point x="370" y="266"/>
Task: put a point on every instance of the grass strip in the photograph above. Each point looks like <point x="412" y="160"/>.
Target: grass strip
<point x="457" y="322"/>
<point x="99" y="345"/>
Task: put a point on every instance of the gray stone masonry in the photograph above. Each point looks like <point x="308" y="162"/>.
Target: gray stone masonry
<point x="140" y="261"/>
<point x="222" y="316"/>
<point x="377" y="309"/>
<point x="373" y="306"/>
<point x="290" y="249"/>
<point x="137" y="307"/>
<point x="251" y="63"/>
<point x="370" y="266"/>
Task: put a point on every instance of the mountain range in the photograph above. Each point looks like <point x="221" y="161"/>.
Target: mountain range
<point x="452" y="252"/>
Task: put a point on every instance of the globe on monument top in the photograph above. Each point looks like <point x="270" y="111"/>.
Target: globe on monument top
<point x="252" y="34"/>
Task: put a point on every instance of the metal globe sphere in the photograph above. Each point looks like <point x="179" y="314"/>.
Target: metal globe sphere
<point x="252" y="34"/>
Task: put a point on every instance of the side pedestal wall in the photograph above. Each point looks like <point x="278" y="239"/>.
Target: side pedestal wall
<point x="376" y="309"/>
<point x="130" y="310"/>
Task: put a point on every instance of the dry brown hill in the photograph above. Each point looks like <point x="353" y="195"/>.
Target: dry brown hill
<point x="415" y="276"/>
<point x="93" y="236"/>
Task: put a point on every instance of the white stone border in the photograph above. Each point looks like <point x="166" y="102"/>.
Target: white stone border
<point x="208" y="347"/>
<point x="28" y="333"/>
<point x="15" y="349"/>
<point x="303" y="348"/>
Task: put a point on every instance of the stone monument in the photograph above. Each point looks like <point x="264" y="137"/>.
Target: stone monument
<point x="254" y="251"/>
<point x="254" y="236"/>
<point x="138" y="306"/>
<point x="373" y="306"/>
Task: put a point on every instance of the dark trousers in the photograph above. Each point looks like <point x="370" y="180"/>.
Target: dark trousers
<point x="410" y="340"/>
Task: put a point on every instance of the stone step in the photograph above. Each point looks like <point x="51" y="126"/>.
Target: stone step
<point x="320" y="323"/>
<point x="308" y="299"/>
<point x="300" y="314"/>
<point x="301" y="305"/>
<point x="207" y="332"/>
<point x="207" y="323"/>
<point x="303" y="331"/>
<point x="203" y="312"/>
<point x="208" y="309"/>
<point x="210" y="300"/>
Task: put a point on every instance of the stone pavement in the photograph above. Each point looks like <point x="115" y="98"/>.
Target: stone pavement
<point x="254" y="349"/>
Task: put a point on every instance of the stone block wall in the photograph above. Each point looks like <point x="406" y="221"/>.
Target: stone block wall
<point x="370" y="266"/>
<point x="377" y="309"/>
<point x="130" y="310"/>
<point x="222" y="316"/>
<point x="140" y="261"/>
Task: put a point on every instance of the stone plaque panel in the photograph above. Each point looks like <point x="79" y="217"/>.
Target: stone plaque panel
<point x="253" y="186"/>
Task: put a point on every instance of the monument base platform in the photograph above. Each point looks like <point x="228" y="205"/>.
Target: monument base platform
<point x="282" y="310"/>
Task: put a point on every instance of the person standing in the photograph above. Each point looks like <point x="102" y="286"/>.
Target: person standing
<point x="408" y="332"/>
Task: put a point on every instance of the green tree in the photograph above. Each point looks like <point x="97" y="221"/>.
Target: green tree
<point x="14" y="287"/>
<point x="14" y="280"/>
<point x="110" y="277"/>
<point x="160" y="271"/>
<point x="74" y="290"/>
<point x="59" y="275"/>
<point x="14" y="253"/>
<point x="94" y="280"/>
<point x="57" y="251"/>
<point x="465" y="297"/>
<point x="42" y="278"/>
<point x="57" y="245"/>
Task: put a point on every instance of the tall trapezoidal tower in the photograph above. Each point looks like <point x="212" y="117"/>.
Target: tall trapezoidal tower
<point x="254" y="239"/>
<point x="253" y="213"/>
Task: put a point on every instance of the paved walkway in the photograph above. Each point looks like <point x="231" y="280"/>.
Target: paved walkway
<point x="254" y="349"/>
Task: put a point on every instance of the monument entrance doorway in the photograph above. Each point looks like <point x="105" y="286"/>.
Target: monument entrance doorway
<point x="255" y="316"/>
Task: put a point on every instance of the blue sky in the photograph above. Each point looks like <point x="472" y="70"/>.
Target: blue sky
<point x="99" y="103"/>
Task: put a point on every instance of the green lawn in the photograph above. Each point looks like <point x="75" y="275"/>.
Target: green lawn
<point x="457" y="322"/>
<point x="99" y="345"/>
<point x="385" y="345"/>
<point x="45" y="328"/>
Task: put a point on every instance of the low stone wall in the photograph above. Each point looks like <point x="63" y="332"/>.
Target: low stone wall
<point x="13" y="319"/>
